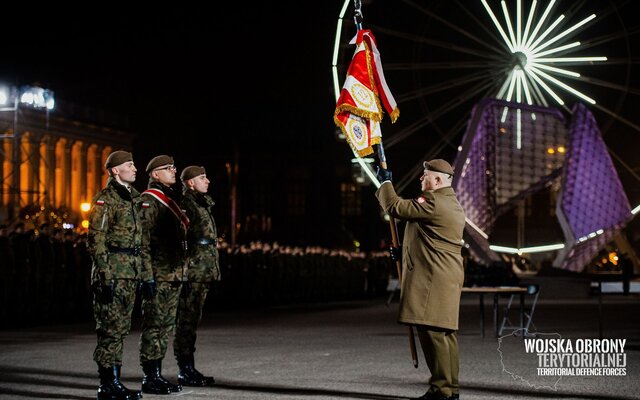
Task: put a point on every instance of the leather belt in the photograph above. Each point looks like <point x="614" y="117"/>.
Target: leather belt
<point x="133" y="251"/>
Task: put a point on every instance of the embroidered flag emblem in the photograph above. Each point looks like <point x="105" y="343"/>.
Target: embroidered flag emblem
<point x="365" y="93"/>
<point x="145" y="204"/>
<point x="99" y="202"/>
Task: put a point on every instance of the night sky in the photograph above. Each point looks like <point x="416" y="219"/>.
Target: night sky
<point x="184" y="75"/>
<point x="260" y="73"/>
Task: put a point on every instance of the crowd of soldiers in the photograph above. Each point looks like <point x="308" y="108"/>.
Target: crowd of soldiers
<point x="159" y="249"/>
<point x="45" y="275"/>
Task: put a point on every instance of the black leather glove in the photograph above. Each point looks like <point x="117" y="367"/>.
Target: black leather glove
<point x="148" y="289"/>
<point x="104" y="292"/>
<point x="383" y="175"/>
<point x="395" y="253"/>
<point x="186" y="289"/>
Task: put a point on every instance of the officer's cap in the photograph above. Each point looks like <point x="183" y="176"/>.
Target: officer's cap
<point x="118" y="157"/>
<point x="191" y="172"/>
<point x="158" y="161"/>
<point x="438" y="165"/>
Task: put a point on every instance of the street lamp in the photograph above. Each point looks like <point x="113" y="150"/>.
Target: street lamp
<point x="32" y="96"/>
<point x="84" y="208"/>
<point x="11" y="97"/>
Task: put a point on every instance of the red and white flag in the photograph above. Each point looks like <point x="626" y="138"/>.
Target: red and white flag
<point x="358" y="110"/>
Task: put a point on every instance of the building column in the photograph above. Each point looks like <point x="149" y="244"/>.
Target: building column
<point x="14" y="204"/>
<point x="33" y="163"/>
<point x="83" y="173"/>
<point x="51" y="170"/>
<point x="66" y="173"/>
<point x="3" y="176"/>
<point x="98" y="168"/>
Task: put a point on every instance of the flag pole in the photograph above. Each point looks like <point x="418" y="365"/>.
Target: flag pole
<point x="382" y="159"/>
<point x="396" y="243"/>
<point x="359" y="126"/>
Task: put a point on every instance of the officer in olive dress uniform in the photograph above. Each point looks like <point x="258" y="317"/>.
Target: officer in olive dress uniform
<point x="432" y="270"/>
<point x="203" y="269"/>
<point x="167" y="225"/>
<point x="115" y="238"/>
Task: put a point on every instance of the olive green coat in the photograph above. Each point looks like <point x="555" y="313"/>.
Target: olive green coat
<point x="432" y="269"/>
<point x="115" y="221"/>
<point x="166" y="236"/>
<point x="203" y="259"/>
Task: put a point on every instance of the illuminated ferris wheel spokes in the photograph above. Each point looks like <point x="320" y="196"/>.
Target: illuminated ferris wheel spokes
<point x="532" y="53"/>
<point x="460" y="55"/>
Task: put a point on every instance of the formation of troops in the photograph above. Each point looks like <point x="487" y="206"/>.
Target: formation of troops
<point x="45" y="275"/>
<point x="149" y="245"/>
<point x="159" y="249"/>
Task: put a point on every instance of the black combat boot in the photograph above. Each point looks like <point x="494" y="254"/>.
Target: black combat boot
<point x="188" y="375"/>
<point x="174" y="388"/>
<point x="151" y="382"/>
<point x="135" y="394"/>
<point x="110" y="387"/>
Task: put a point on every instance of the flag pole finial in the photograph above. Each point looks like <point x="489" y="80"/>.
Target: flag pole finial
<point x="357" y="15"/>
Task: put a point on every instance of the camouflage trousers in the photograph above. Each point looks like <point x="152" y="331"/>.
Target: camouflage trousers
<point x="113" y="323"/>
<point x="158" y="321"/>
<point x="188" y="318"/>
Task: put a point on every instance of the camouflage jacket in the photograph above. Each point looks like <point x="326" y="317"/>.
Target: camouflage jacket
<point x="114" y="226"/>
<point x="166" y="250"/>
<point x="201" y="237"/>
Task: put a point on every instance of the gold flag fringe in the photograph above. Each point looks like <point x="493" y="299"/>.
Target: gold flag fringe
<point x="394" y="115"/>
<point x="360" y="113"/>
<point x="364" y="152"/>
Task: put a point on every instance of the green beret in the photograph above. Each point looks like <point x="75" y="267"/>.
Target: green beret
<point x="158" y="161"/>
<point x="438" y="165"/>
<point x="118" y="157"/>
<point x="191" y="172"/>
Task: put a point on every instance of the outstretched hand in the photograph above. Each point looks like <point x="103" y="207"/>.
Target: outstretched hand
<point x="383" y="175"/>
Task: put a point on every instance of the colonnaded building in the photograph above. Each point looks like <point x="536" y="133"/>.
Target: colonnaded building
<point x="51" y="162"/>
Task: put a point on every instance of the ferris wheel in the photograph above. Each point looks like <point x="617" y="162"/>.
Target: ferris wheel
<point x="443" y="57"/>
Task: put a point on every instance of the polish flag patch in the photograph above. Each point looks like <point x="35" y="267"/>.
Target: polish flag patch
<point x="145" y="204"/>
<point x="421" y="199"/>
<point x="99" y="202"/>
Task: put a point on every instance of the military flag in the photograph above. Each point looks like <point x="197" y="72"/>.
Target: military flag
<point x="359" y="108"/>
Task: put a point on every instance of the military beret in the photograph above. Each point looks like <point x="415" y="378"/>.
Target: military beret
<point x="118" y="157"/>
<point x="158" y="161"/>
<point x="438" y="165"/>
<point x="191" y="172"/>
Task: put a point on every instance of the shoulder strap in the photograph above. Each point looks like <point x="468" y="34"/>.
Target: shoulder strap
<point x="171" y="205"/>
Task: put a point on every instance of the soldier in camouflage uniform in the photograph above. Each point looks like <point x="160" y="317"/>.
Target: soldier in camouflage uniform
<point x="114" y="241"/>
<point x="203" y="269"/>
<point x="167" y="225"/>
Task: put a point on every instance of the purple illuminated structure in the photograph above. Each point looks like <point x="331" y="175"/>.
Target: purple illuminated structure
<point x="505" y="156"/>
